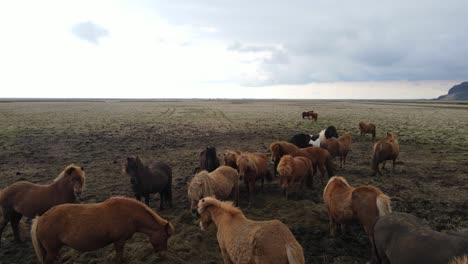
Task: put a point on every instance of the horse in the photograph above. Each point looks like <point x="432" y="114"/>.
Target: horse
<point x="230" y="158"/>
<point x="403" y="238"/>
<point x="87" y="227"/>
<point x="301" y="140"/>
<point x="346" y="204"/>
<point x="208" y="160"/>
<point x="294" y="172"/>
<point x="338" y="147"/>
<point x="253" y="167"/>
<point x="242" y="240"/>
<point x="221" y="183"/>
<point x="320" y="158"/>
<point x="385" y="149"/>
<point x="367" y="128"/>
<point x="28" y="199"/>
<point x="313" y="116"/>
<point x="329" y="132"/>
<point x="156" y="177"/>
<point x="306" y="114"/>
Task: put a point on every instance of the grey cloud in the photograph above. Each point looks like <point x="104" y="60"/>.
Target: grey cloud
<point x="331" y="40"/>
<point x="89" y="31"/>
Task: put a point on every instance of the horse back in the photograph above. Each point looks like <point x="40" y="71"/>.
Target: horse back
<point x="157" y="176"/>
<point x="28" y="199"/>
<point x="364" y="204"/>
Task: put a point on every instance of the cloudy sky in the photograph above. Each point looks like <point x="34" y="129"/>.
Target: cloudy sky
<point x="232" y="49"/>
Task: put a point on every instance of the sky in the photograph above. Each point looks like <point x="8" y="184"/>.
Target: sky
<point x="302" y="49"/>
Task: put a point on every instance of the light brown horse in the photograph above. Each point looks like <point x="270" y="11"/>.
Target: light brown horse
<point x="221" y="183"/>
<point x="294" y="172"/>
<point x="253" y="167"/>
<point x="346" y="204"/>
<point x="87" y="227"/>
<point x="385" y="149"/>
<point x="244" y="241"/>
<point x="338" y="147"/>
<point x="320" y="158"/>
<point x="230" y="158"/>
<point x="29" y="199"/>
<point x="366" y="128"/>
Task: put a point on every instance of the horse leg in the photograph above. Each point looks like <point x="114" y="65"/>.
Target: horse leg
<point x="15" y="219"/>
<point x="332" y="226"/>
<point x="251" y="192"/>
<point x="162" y="200"/>
<point x="146" y="196"/>
<point x="50" y="257"/>
<point x="5" y="220"/>
<point x="322" y="172"/>
<point x="119" y="249"/>
<point x="383" y="166"/>
<point x="341" y="161"/>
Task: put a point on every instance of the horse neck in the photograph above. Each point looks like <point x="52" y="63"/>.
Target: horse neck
<point x="219" y="216"/>
<point x="63" y="194"/>
<point x="145" y="223"/>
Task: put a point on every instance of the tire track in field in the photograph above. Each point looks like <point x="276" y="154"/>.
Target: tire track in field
<point x="167" y="113"/>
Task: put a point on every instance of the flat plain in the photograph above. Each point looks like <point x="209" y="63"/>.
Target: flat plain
<point x="38" y="139"/>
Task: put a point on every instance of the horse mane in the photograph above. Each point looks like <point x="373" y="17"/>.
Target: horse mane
<point x="245" y="160"/>
<point x="226" y="206"/>
<point x="340" y="178"/>
<point x="285" y="165"/>
<point x="459" y="260"/>
<point x="76" y="168"/>
<point x="200" y="186"/>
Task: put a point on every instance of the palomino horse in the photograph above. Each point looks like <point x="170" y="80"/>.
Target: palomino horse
<point x="242" y="240"/>
<point x="253" y="167"/>
<point x="320" y="158"/>
<point x="346" y="204"/>
<point x="156" y="177"/>
<point x="385" y="149"/>
<point x="29" y="199"/>
<point x="403" y="238"/>
<point x="208" y="160"/>
<point x="338" y="147"/>
<point x="366" y="128"/>
<point x="222" y="183"/>
<point x="86" y="227"/>
<point x="230" y="158"/>
<point x="294" y="172"/>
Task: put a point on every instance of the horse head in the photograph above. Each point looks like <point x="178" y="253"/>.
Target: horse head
<point x="133" y="166"/>
<point x="159" y="238"/>
<point x="74" y="179"/>
<point x="331" y="132"/>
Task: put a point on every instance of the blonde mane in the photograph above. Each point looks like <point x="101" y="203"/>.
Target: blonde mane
<point x="200" y="186"/>
<point x="77" y="168"/>
<point x="227" y="206"/>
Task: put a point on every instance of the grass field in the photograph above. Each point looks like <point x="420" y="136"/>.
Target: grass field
<point x="38" y="139"/>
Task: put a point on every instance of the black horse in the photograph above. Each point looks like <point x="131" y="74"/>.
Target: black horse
<point x="156" y="177"/>
<point x="303" y="140"/>
<point x="208" y="160"/>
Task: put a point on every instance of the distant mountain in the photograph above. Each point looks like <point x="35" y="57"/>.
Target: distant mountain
<point x="458" y="92"/>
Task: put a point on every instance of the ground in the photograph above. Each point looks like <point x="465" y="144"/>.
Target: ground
<point x="38" y="139"/>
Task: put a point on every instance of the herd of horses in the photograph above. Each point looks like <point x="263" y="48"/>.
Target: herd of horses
<point x="60" y="219"/>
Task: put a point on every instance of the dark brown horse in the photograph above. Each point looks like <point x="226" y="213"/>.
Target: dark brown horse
<point x="208" y="160"/>
<point x="156" y="177"/>
<point x="405" y="239"/>
<point x="86" y="227"/>
<point x="29" y="199"/>
<point x="310" y="115"/>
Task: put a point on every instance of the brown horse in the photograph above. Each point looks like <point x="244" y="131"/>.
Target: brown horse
<point x="230" y="158"/>
<point x="366" y="128"/>
<point x="253" y="167"/>
<point x="346" y="204"/>
<point x="294" y="172"/>
<point x="385" y="149"/>
<point x="338" y="147"/>
<point x="320" y="158"/>
<point x="306" y="114"/>
<point x="87" y="227"/>
<point x="243" y="241"/>
<point x="29" y="199"/>
<point x="221" y="183"/>
<point x="208" y="160"/>
<point x="156" y="177"/>
<point x="405" y="239"/>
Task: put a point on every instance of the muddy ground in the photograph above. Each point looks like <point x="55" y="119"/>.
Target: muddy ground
<point x="38" y="139"/>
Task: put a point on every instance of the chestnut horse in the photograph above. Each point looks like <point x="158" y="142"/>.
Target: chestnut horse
<point x="320" y="158"/>
<point x="156" y="177"/>
<point x="385" y="149"/>
<point x="221" y="183"/>
<point x="29" y="199"/>
<point x="253" y="167"/>
<point x="346" y="204"/>
<point x="294" y="172"/>
<point x="338" y="147"/>
<point x="87" y="227"/>
<point x="405" y="239"/>
<point x="230" y="158"/>
<point x="366" y="128"/>
<point x="242" y="240"/>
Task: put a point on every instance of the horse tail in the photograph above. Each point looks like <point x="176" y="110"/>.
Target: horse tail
<point x="268" y="175"/>
<point x="376" y="158"/>
<point x="295" y="253"/>
<point x="383" y="204"/>
<point x="38" y="248"/>
<point x="373" y="133"/>
<point x="330" y="165"/>
<point x="459" y="260"/>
